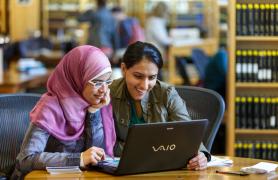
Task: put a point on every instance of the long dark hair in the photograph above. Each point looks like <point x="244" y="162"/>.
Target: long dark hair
<point x="137" y="51"/>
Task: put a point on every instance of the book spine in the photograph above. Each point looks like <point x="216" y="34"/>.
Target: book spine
<point x="250" y="21"/>
<point x="249" y="65"/>
<point x="244" y="19"/>
<point x="272" y="20"/>
<point x="243" y="112"/>
<point x="244" y="66"/>
<point x="250" y="112"/>
<point x="255" y="65"/>
<point x="257" y="19"/>
<point x="262" y="113"/>
<point x="262" y="19"/>
<point x="238" y="66"/>
<point x="256" y="113"/>
<point x="238" y="19"/>
<point x="267" y="20"/>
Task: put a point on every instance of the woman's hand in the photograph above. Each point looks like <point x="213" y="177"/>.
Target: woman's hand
<point x="103" y="102"/>
<point x="93" y="155"/>
<point x="199" y="162"/>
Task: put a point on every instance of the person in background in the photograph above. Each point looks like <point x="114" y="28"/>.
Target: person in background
<point x="102" y="31"/>
<point x="160" y="38"/>
<point x="139" y="97"/>
<point x="72" y="124"/>
<point x="216" y="71"/>
<point x="128" y="30"/>
<point x="158" y="35"/>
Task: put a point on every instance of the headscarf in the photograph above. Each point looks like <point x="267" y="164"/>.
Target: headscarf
<point x="62" y="109"/>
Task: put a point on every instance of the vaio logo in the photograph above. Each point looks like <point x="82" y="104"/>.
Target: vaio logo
<point x="164" y="148"/>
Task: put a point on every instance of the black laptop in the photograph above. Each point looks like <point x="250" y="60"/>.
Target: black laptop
<point x="157" y="147"/>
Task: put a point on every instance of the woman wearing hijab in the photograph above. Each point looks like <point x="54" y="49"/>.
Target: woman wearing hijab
<point x="72" y="124"/>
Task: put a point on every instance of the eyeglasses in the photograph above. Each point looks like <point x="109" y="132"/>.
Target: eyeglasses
<point x="98" y="84"/>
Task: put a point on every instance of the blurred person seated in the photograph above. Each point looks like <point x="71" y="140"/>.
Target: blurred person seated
<point x="10" y="53"/>
<point x="35" y="45"/>
<point x="216" y="71"/>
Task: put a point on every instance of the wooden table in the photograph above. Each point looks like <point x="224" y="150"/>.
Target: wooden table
<point x="177" y="175"/>
<point x="14" y="81"/>
<point x="209" y="46"/>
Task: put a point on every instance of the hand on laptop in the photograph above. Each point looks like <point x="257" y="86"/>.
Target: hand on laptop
<point x="93" y="155"/>
<point x="199" y="162"/>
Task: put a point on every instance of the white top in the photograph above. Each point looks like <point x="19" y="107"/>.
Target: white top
<point x="156" y="33"/>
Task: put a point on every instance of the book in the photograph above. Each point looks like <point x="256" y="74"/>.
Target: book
<point x="238" y="19"/>
<point x="272" y="20"/>
<point x="256" y="19"/>
<point x="262" y="19"/>
<point x="260" y="168"/>
<point x="238" y="66"/>
<point x="244" y="19"/>
<point x="250" y="19"/>
<point x="63" y="170"/>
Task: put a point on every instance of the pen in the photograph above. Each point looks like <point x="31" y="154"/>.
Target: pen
<point x="232" y="172"/>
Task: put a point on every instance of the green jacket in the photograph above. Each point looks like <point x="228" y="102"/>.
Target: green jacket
<point x="161" y="104"/>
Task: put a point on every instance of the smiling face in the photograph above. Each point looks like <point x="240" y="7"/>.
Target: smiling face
<point x="140" y="78"/>
<point x="94" y="94"/>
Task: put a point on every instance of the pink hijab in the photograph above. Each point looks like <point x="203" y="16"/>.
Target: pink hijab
<point x="61" y="111"/>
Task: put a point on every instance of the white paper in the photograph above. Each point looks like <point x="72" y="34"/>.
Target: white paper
<point x="260" y="168"/>
<point x="63" y="170"/>
<point x="218" y="162"/>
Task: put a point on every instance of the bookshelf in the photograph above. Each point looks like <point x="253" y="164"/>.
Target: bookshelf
<point x="182" y="13"/>
<point x="3" y="17"/>
<point x="23" y="18"/>
<point x="59" y="19"/>
<point x="252" y="103"/>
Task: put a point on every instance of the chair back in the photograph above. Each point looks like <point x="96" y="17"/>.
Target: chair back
<point x="203" y="103"/>
<point x="200" y="60"/>
<point x="14" y="121"/>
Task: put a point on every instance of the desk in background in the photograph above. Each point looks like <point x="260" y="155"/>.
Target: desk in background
<point x="209" y="46"/>
<point x="49" y="58"/>
<point x="15" y="82"/>
<point x="209" y="173"/>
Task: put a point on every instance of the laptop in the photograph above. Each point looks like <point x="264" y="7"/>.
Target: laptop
<point x="157" y="147"/>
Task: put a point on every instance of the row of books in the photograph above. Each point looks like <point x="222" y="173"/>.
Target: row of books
<point x="257" y="19"/>
<point x="257" y="149"/>
<point x="256" y="112"/>
<point x="256" y="65"/>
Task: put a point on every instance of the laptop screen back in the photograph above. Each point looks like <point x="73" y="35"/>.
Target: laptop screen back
<point x="161" y="146"/>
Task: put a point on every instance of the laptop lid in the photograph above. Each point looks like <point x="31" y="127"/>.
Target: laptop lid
<point x="160" y="146"/>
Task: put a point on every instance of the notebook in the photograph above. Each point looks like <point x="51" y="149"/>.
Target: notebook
<point x="157" y="147"/>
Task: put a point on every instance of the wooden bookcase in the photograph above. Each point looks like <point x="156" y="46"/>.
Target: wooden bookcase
<point x="3" y="17"/>
<point x="182" y="13"/>
<point x="235" y="89"/>
<point x="59" y="18"/>
<point x="23" y="18"/>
